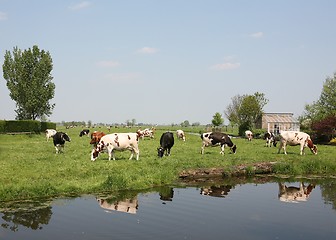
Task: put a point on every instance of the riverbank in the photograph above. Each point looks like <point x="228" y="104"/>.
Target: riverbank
<point x="31" y="169"/>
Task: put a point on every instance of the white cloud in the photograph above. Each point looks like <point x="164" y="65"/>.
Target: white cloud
<point x="80" y="5"/>
<point x="257" y="35"/>
<point x="225" y="66"/>
<point x="147" y="50"/>
<point x="3" y="16"/>
<point x="123" y="77"/>
<point x="108" y="64"/>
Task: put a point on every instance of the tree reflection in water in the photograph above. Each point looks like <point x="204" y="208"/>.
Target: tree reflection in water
<point x="30" y="214"/>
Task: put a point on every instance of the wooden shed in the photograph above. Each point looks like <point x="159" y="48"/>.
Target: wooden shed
<point x="277" y="122"/>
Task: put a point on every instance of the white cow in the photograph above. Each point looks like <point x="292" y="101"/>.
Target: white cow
<point x="117" y="141"/>
<point x="249" y="135"/>
<point x="50" y="133"/>
<point x="293" y="138"/>
<point x="180" y="134"/>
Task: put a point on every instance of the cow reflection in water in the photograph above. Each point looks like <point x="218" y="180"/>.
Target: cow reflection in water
<point x="216" y="191"/>
<point x="127" y="205"/>
<point x="295" y="194"/>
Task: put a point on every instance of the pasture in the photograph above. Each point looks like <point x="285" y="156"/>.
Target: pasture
<point x="31" y="169"/>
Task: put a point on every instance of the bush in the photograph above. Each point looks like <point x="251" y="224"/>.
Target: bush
<point x="32" y="126"/>
<point x="2" y="126"/>
<point x="47" y="125"/>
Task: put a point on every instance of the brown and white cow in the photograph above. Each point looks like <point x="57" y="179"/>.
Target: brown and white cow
<point x="248" y="135"/>
<point x="146" y="133"/>
<point x="95" y="137"/>
<point x="217" y="139"/>
<point x="294" y="194"/>
<point x="117" y="141"/>
<point x="293" y="138"/>
<point x="180" y="134"/>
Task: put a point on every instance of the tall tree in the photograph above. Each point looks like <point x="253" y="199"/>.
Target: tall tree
<point x="217" y="119"/>
<point x="29" y="80"/>
<point x="245" y="110"/>
<point x="325" y="105"/>
<point x="232" y="110"/>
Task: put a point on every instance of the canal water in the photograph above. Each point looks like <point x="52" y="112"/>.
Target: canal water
<point x="260" y="208"/>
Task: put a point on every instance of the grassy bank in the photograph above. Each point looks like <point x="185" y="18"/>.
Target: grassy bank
<point x="30" y="168"/>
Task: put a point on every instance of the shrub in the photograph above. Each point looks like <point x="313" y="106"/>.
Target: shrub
<point x="47" y="125"/>
<point x="2" y="126"/>
<point x="23" y="126"/>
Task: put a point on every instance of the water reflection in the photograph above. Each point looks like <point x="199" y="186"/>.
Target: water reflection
<point x="30" y="214"/>
<point x="295" y="194"/>
<point x="216" y="190"/>
<point x="126" y="202"/>
<point x="127" y="205"/>
<point x="254" y="202"/>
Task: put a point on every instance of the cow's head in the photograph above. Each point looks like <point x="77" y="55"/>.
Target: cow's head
<point x="313" y="148"/>
<point x="160" y="151"/>
<point x="65" y="137"/>
<point x="95" y="152"/>
<point x="234" y="148"/>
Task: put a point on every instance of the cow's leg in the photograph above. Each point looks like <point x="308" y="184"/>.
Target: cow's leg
<point x="284" y="148"/>
<point x="136" y="150"/>
<point x="132" y="153"/>
<point x="168" y="152"/>
<point x="202" y="149"/>
<point x="282" y="145"/>
<point x="302" y="149"/>
<point x="110" y="153"/>
<point x="222" y="149"/>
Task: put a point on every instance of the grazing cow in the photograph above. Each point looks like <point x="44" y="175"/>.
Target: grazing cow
<point x="50" y="133"/>
<point x="293" y="138"/>
<point x="59" y="140"/>
<point x="180" y="134"/>
<point x="249" y="135"/>
<point x="84" y="132"/>
<point x="117" y="141"/>
<point x="95" y="137"/>
<point x="166" y="143"/>
<point x="146" y="133"/>
<point x="270" y="138"/>
<point x="217" y="139"/>
<point x="294" y="194"/>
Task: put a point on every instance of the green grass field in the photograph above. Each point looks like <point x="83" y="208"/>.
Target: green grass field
<point x="30" y="168"/>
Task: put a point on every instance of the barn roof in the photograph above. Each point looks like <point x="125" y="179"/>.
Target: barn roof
<point x="279" y="118"/>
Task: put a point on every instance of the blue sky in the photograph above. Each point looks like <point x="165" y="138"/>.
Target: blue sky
<point x="169" y="61"/>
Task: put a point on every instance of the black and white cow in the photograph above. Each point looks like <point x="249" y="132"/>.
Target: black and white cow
<point x="270" y="139"/>
<point x="166" y="143"/>
<point x="50" y="133"/>
<point x="59" y="140"/>
<point x="84" y="132"/>
<point x="217" y="139"/>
